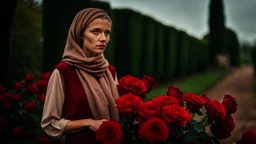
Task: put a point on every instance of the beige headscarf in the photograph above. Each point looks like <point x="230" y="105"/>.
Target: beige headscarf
<point x="97" y="81"/>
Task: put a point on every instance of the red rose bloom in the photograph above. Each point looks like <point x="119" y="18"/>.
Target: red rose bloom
<point x="17" y="131"/>
<point x="150" y="82"/>
<point x="45" y="76"/>
<point x="176" y="114"/>
<point x="4" y="102"/>
<point x="194" y="103"/>
<point x="3" y="122"/>
<point x="30" y="106"/>
<point x="32" y="88"/>
<point x="230" y="104"/>
<point x="165" y="100"/>
<point x="110" y="132"/>
<point x="13" y="98"/>
<point x="133" y="84"/>
<point x="174" y="91"/>
<point x="17" y="86"/>
<point x="41" y="98"/>
<point x="154" y="130"/>
<point x="207" y="101"/>
<point x="228" y="123"/>
<point x="128" y="103"/>
<point x="2" y="89"/>
<point x="148" y="110"/>
<point x="42" y="86"/>
<point x="216" y="110"/>
<point x="29" y="78"/>
<point x="43" y="140"/>
<point x="121" y="90"/>
<point x="249" y="136"/>
<point x="220" y="132"/>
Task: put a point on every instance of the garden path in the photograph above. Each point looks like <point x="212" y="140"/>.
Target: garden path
<point x="239" y="84"/>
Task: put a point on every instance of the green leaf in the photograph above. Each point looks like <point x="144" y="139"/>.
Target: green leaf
<point x="189" y="137"/>
<point x="215" y="140"/>
<point x="204" y="136"/>
<point x="199" y="113"/>
<point x="179" y="131"/>
<point x="122" y="121"/>
<point x="197" y="126"/>
<point x="192" y="122"/>
<point x="185" y="104"/>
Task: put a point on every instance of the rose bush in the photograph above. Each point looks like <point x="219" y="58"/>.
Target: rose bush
<point x="21" y="109"/>
<point x="169" y="118"/>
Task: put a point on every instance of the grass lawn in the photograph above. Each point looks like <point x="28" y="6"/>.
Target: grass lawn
<point x="196" y="84"/>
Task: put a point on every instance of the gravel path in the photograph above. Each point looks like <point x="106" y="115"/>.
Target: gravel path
<point x="239" y="84"/>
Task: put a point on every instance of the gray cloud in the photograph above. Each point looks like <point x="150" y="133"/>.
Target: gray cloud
<point x="192" y="15"/>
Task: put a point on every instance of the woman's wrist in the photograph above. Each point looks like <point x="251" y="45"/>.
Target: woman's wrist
<point x="88" y="122"/>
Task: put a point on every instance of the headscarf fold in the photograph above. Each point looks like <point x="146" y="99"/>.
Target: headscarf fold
<point x="97" y="81"/>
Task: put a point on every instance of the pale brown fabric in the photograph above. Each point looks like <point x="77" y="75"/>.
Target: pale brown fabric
<point x="52" y="123"/>
<point x="96" y="79"/>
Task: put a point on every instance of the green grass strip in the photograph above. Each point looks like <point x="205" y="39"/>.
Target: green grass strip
<point x="196" y="84"/>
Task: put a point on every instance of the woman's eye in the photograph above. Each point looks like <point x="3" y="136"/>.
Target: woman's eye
<point x="107" y="33"/>
<point x="95" y="32"/>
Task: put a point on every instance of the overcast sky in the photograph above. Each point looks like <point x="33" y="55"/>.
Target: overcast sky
<point x="192" y="15"/>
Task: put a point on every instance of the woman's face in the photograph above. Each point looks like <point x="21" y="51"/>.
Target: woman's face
<point x="96" y="37"/>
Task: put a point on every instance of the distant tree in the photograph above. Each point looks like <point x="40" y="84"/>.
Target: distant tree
<point x="25" y="54"/>
<point x="216" y="29"/>
<point x="7" y="14"/>
<point x="233" y="47"/>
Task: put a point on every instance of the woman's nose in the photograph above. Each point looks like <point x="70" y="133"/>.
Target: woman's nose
<point x="102" y="37"/>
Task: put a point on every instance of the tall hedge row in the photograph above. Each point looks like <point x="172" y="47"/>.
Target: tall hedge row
<point x="138" y="45"/>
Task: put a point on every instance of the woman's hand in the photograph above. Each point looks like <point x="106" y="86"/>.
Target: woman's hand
<point x="95" y="124"/>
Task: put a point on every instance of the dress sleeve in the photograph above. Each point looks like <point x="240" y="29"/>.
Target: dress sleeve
<point x="52" y="123"/>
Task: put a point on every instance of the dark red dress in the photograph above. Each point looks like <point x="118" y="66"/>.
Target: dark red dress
<point x="76" y="105"/>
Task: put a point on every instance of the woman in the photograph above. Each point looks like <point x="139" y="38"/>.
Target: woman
<point x="81" y="92"/>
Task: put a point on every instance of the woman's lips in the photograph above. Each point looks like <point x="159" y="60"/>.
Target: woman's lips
<point x="101" y="46"/>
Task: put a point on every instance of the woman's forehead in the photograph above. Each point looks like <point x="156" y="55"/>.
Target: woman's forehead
<point x="100" y="23"/>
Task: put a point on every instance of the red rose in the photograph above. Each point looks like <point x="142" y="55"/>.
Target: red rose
<point x="165" y="100"/>
<point x="148" y="110"/>
<point x="43" y="140"/>
<point x="17" y="86"/>
<point x="42" y="86"/>
<point x="110" y="132"/>
<point x="133" y="84"/>
<point x="230" y="104"/>
<point x="17" y="131"/>
<point x="4" y="102"/>
<point x="220" y="132"/>
<point x="30" y="106"/>
<point x="150" y="82"/>
<point x="176" y="114"/>
<point x="216" y="110"/>
<point x="121" y="90"/>
<point x="128" y="103"/>
<point x="13" y="98"/>
<point x="174" y="91"/>
<point x="2" y="89"/>
<point x="228" y="123"/>
<point x="207" y="101"/>
<point x="41" y="98"/>
<point x="32" y="88"/>
<point x="194" y="103"/>
<point x="29" y="78"/>
<point x="154" y="130"/>
<point x="249" y="136"/>
<point x="3" y="122"/>
<point x="45" y="76"/>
